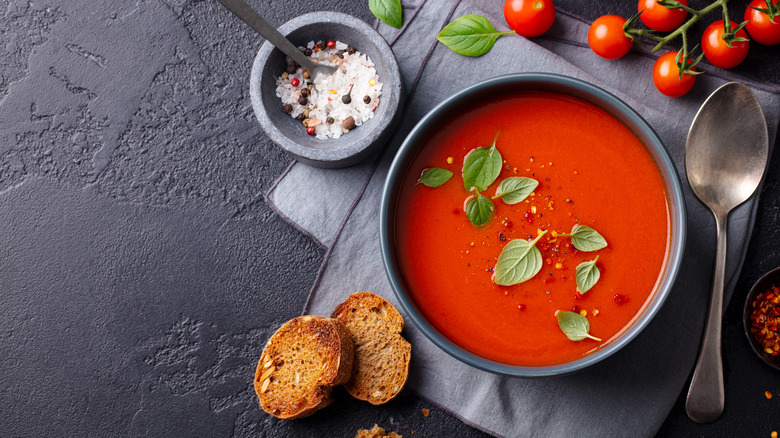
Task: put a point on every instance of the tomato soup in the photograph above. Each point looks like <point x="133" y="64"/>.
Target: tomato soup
<point x="592" y="170"/>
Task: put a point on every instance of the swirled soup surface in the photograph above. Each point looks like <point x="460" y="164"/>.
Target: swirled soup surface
<point x="591" y="170"/>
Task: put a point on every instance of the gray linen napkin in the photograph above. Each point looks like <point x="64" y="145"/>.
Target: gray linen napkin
<point x="628" y="393"/>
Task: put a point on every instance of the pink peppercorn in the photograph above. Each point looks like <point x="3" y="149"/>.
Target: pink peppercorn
<point x="295" y="82"/>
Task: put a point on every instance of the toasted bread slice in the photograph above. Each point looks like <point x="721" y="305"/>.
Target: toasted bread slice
<point x="381" y="354"/>
<point x="301" y="363"/>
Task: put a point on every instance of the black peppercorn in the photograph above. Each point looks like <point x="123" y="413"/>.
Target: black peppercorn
<point x="340" y="54"/>
<point x="351" y="50"/>
<point x="307" y="52"/>
<point x="304" y="91"/>
<point x="290" y="68"/>
<point x="287" y="108"/>
<point x="323" y="45"/>
<point x="367" y="99"/>
<point x="300" y="117"/>
<point x="329" y="120"/>
<point x="303" y="100"/>
<point x="347" y="99"/>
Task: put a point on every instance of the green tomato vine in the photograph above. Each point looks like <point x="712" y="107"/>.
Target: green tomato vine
<point x="684" y="59"/>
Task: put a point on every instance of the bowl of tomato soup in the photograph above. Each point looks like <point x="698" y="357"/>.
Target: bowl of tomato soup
<point x="532" y="224"/>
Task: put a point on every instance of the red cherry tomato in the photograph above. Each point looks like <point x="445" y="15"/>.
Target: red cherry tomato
<point x="661" y="18"/>
<point x="666" y="76"/>
<point x="760" y="27"/>
<point x="716" y="50"/>
<point x="529" y="18"/>
<point x="606" y="37"/>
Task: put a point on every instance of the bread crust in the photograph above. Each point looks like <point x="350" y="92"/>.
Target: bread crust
<point x="301" y="363"/>
<point x="382" y="355"/>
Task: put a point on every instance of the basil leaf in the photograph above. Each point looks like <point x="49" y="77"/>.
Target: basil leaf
<point x="516" y="188"/>
<point x="389" y="11"/>
<point x="434" y="177"/>
<point x="519" y="261"/>
<point x="574" y="326"/>
<point x="585" y="238"/>
<point x="587" y="275"/>
<point x="479" y="209"/>
<point x="470" y="35"/>
<point x="481" y="167"/>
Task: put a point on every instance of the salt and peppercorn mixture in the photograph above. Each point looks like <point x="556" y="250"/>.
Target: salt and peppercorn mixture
<point x="330" y="104"/>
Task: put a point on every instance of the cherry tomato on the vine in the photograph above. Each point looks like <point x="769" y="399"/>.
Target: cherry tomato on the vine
<point x="606" y="37"/>
<point x="666" y="76"/>
<point x="718" y="52"/>
<point x="661" y="18"/>
<point x="760" y="27"/>
<point x="529" y="18"/>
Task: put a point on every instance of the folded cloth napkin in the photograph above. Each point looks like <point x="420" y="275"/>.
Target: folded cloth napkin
<point x="634" y="389"/>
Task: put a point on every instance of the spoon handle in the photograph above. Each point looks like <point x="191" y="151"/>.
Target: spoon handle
<point x="706" y="395"/>
<point x="245" y="12"/>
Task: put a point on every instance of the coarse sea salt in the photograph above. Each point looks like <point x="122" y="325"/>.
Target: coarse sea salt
<point x="325" y="109"/>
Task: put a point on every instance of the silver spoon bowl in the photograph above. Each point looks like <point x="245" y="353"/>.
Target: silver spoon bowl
<point x="725" y="156"/>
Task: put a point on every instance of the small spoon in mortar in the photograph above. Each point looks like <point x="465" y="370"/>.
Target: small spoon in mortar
<point x="245" y="12"/>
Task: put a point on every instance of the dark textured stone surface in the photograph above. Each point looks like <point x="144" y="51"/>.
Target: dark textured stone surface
<point x="141" y="270"/>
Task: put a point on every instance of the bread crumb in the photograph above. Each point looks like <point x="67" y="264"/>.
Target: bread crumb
<point x="426" y="412"/>
<point x="376" y="432"/>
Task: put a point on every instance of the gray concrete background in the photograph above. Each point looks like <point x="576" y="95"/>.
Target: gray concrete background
<point x="141" y="270"/>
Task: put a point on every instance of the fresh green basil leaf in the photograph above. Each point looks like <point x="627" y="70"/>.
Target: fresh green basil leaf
<point x="481" y="167"/>
<point x="479" y="209"/>
<point x="434" y="177"/>
<point x="574" y="326"/>
<point x="587" y="275"/>
<point x="519" y="261"/>
<point x="585" y="238"/>
<point x="470" y="35"/>
<point x="389" y="11"/>
<point x="516" y="188"/>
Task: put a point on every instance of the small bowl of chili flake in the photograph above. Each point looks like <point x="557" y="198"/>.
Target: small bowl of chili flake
<point x="762" y="318"/>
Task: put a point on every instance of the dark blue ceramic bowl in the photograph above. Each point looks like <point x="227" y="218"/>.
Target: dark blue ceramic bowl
<point x="545" y="82"/>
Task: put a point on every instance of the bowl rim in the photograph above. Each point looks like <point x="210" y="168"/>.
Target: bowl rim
<point x="761" y="284"/>
<point x="616" y="107"/>
<point x="350" y="151"/>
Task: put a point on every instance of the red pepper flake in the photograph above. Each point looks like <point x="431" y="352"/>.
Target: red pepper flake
<point x="768" y="395"/>
<point x="425" y="412"/>
<point x="575" y="309"/>
<point x="765" y="320"/>
<point x="521" y="307"/>
<point x="507" y="223"/>
<point x="529" y="217"/>
<point x="620" y="299"/>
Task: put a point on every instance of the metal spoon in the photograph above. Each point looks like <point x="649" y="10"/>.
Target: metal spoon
<point x="725" y="157"/>
<point x="245" y="12"/>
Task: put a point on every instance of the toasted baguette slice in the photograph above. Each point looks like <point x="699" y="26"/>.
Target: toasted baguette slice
<point x="381" y="354"/>
<point x="301" y="363"/>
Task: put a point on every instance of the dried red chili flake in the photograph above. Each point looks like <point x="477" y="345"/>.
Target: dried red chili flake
<point x="529" y="217"/>
<point x="521" y="307"/>
<point x="765" y="320"/>
<point x="619" y="299"/>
